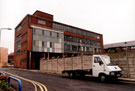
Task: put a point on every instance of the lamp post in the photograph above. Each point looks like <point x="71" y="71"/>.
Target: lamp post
<point x="0" y="40"/>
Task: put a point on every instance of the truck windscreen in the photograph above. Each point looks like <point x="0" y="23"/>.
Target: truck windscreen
<point x="108" y="61"/>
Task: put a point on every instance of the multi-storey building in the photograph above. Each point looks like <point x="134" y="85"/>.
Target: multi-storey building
<point x="38" y="36"/>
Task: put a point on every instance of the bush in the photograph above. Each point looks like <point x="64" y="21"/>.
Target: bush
<point x="3" y="85"/>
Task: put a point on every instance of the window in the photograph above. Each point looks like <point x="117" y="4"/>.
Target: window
<point x="41" y="22"/>
<point x="50" y="44"/>
<point x="97" y="60"/>
<point x="18" y="28"/>
<point x="34" y="43"/>
<point x="57" y="35"/>
<point x="50" y="33"/>
<point x="42" y="32"/>
<point x="42" y="43"/>
<point x="34" y="31"/>
<point x="87" y="49"/>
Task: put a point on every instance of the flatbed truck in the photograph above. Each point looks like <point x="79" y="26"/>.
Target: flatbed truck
<point x="99" y="66"/>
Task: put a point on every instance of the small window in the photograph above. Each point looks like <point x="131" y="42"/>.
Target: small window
<point x="41" y="22"/>
<point x="50" y="44"/>
<point x="42" y="32"/>
<point x="50" y="33"/>
<point x="34" y="43"/>
<point x="97" y="60"/>
<point x="42" y="43"/>
<point x="18" y="28"/>
<point x="57" y="35"/>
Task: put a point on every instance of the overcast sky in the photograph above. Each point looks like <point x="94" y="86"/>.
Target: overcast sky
<point x="115" y="19"/>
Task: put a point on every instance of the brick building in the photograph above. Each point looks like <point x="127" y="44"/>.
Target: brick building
<point x="11" y="58"/>
<point x="38" y="36"/>
<point x="3" y="55"/>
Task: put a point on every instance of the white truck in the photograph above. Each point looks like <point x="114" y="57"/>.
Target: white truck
<point x="97" y="65"/>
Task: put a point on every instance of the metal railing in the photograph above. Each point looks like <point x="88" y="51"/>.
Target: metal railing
<point x="1" y="73"/>
<point x="16" y="79"/>
<point x="13" y="78"/>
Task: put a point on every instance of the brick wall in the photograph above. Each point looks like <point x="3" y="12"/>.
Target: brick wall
<point x="3" y="55"/>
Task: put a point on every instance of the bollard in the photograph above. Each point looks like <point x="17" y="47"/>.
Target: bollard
<point x="16" y="79"/>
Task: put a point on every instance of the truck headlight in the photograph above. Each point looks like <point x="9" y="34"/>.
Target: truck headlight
<point x="112" y="73"/>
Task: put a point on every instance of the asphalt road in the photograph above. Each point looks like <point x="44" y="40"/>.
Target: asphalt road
<point x="57" y="83"/>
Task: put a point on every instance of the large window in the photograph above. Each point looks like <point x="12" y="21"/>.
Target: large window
<point x="75" y="30"/>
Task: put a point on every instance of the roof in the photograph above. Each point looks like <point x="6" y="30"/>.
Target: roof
<point x="120" y="44"/>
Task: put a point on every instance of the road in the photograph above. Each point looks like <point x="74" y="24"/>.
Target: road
<point x="55" y="82"/>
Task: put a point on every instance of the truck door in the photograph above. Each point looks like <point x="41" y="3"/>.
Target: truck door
<point x="98" y="66"/>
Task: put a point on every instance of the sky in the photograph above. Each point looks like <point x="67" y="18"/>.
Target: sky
<point x="115" y="19"/>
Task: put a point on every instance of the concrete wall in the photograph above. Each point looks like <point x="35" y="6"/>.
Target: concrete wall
<point x="126" y="61"/>
<point x="58" y="65"/>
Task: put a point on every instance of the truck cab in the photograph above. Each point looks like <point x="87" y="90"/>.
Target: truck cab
<point x="103" y="67"/>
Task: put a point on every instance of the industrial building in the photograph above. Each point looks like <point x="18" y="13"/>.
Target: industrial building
<point x="119" y="47"/>
<point x="38" y="36"/>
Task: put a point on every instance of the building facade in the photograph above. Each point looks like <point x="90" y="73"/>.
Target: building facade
<point x="38" y="36"/>
<point x="11" y="58"/>
<point x="119" y="47"/>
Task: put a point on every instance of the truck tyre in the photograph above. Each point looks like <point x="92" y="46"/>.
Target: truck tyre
<point x="115" y="78"/>
<point x="102" y="78"/>
<point x="82" y="75"/>
<point x="69" y="74"/>
<point x="73" y="75"/>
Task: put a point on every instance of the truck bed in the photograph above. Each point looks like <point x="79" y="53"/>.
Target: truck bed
<point x="78" y="63"/>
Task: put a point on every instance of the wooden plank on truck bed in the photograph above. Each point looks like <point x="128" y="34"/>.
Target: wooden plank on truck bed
<point x="87" y="62"/>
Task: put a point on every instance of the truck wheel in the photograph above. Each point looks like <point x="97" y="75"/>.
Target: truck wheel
<point x="102" y="78"/>
<point x="115" y="78"/>
<point x="69" y="74"/>
<point x="82" y="75"/>
<point x="73" y="75"/>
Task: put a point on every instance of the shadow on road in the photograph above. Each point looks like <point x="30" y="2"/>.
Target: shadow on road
<point x="95" y="79"/>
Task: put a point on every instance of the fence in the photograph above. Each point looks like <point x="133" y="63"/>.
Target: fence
<point x="126" y="61"/>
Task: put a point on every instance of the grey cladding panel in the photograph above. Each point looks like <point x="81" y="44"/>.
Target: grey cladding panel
<point x="34" y="37"/>
<point x="38" y="31"/>
<point x="54" y="34"/>
<point x="61" y="35"/>
<point x="46" y="33"/>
